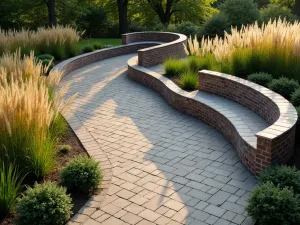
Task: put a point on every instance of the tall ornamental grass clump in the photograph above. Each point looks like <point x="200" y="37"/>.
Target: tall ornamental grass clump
<point x="59" y="41"/>
<point x="273" y="48"/>
<point x="175" y="67"/>
<point x="29" y="114"/>
<point x="10" y="184"/>
<point x="189" y="81"/>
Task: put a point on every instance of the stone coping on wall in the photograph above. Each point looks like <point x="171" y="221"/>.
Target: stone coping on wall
<point x="273" y="144"/>
<point x="174" y="46"/>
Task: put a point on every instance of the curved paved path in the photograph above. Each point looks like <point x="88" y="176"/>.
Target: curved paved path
<point x="168" y="168"/>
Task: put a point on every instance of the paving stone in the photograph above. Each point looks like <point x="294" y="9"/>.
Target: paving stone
<point x="238" y="219"/>
<point x="113" y="221"/>
<point x="214" y="210"/>
<point x="149" y="215"/>
<point x="219" y="198"/>
<point x="131" y="218"/>
<point x="200" y="215"/>
<point x="201" y="205"/>
<point x="229" y="216"/>
<point x="198" y="195"/>
<point x="212" y="219"/>
<point x="172" y="204"/>
<point x="222" y="222"/>
<point x="233" y="207"/>
<point x="139" y="200"/>
<point x="134" y="208"/>
<point x="154" y="150"/>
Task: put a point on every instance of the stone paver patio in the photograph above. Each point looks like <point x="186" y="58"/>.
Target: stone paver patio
<point x="168" y="168"/>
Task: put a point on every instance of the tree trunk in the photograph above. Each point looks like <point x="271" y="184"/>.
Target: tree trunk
<point x="123" y="18"/>
<point x="51" y="13"/>
<point x="296" y="9"/>
<point x="163" y="14"/>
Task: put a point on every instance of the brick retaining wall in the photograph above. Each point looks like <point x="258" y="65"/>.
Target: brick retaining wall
<point x="275" y="143"/>
<point x="156" y="55"/>
<point x="275" y="109"/>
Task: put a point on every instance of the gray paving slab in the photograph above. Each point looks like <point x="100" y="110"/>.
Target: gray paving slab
<point x="167" y="167"/>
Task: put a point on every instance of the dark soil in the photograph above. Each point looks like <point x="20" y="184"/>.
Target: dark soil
<point x="62" y="159"/>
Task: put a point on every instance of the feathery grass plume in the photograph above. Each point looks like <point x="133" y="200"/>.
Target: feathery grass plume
<point x="30" y="113"/>
<point x="59" y="41"/>
<point x="193" y="46"/>
<point x="273" y="47"/>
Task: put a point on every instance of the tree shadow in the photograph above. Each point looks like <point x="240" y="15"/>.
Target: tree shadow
<point x="178" y="162"/>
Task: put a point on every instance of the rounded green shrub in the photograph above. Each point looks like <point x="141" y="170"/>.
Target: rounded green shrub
<point x="45" y="56"/>
<point x="262" y="79"/>
<point x="44" y="204"/>
<point x="65" y="148"/>
<point x="186" y="28"/>
<point x="276" y="11"/>
<point x="189" y="81"/>
<point x="240" y="12"/>
<point x="272" y="205"/>
<point x="87" y="49"/>
<point x="282" y="176"/>
<point x="97" y="46"/>
<point x="216" y="25"/>
<point x="81" y="174"/>
<point x="284" y="86"/>
<point x="295" y="99"/>
<point x="175" y="67"/>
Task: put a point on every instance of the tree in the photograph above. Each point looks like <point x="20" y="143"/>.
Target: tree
<point x="296" y="9"/>
<point x="182" y="10"/>
<point x="51" y="12"/>
<point x="123" y="16"/>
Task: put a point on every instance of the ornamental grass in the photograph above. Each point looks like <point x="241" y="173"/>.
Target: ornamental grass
<point x="273" y="47"/>
<point x="30" y="108"/>
<point x="59" y="41"/>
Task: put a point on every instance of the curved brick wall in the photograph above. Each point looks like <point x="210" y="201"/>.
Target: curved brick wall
<point x="275" y="143"/>
<point x="77" y="62"/>
<point x="156" y="55"/>
<point x="269" y="148"/>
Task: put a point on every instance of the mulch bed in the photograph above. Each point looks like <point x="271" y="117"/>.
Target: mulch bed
<point x="78" y="199"/>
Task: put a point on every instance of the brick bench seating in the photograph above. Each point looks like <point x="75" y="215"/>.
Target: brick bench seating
<point x="258" y="147"/>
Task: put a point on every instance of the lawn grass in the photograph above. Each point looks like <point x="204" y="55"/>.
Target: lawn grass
<point x="104" y="41"/>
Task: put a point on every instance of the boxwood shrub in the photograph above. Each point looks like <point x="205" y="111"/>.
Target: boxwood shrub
<point x="284" y="86"/>
<point x="44" y="204"/>
<point x="295" y="99"/>
<point x="262" y="79"/>
<point x="282" y="176"/>
<point x="82" y="174"/>
<point x="272" y="205"/>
